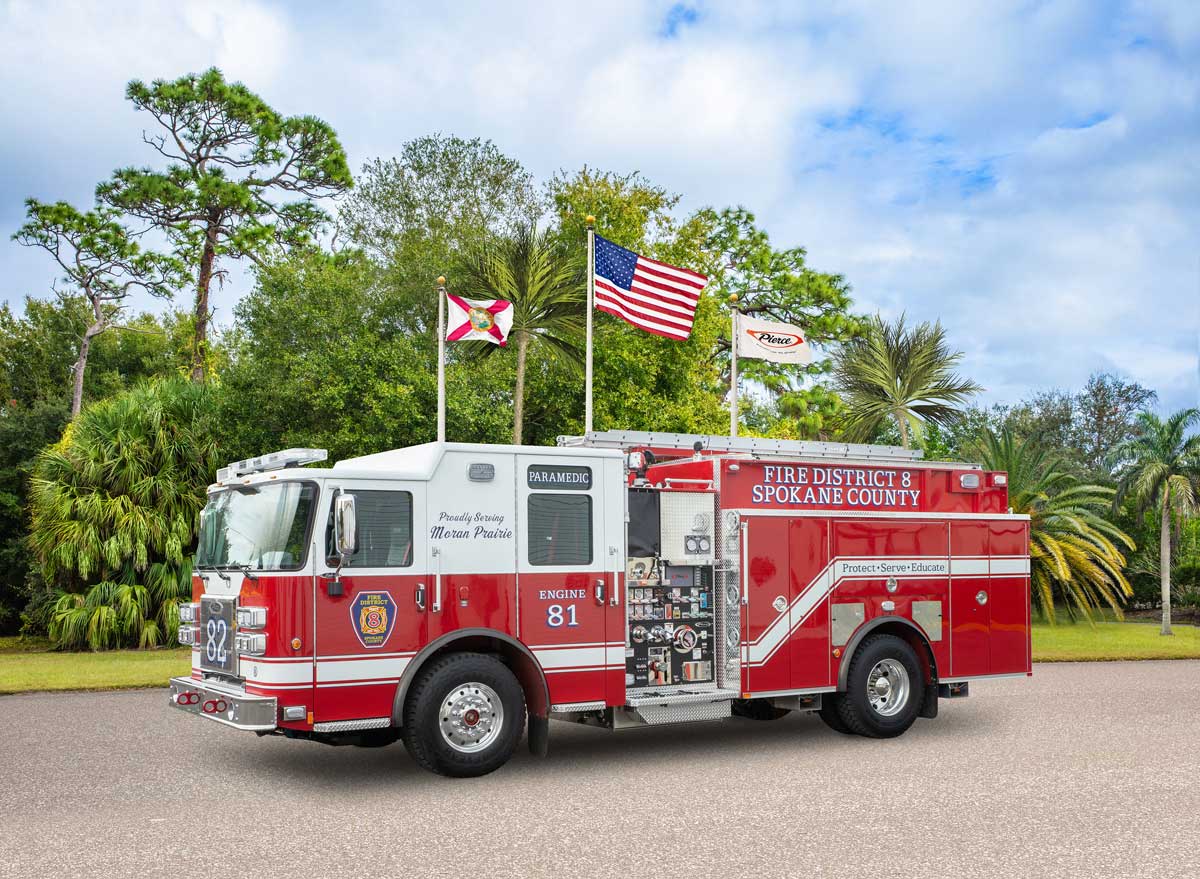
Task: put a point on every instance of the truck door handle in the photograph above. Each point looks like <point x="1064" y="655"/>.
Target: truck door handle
<point x="420" y="596"/>
<point x="599" y="592"/>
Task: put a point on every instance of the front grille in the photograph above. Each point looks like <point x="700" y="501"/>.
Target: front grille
<point x="216" y="635"/>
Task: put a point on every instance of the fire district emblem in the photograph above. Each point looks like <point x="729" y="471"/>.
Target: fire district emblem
<point x="373" y="614"/>
<point x="481" y="319"/>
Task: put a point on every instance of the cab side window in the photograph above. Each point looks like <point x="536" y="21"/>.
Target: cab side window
<point x="560" y="529"/>
<point x="384" y="531"/>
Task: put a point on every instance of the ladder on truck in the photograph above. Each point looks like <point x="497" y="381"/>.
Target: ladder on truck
<point x="757" y="447"/>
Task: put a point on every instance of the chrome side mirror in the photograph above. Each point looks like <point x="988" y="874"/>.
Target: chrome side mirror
<point x="345" y="525"/>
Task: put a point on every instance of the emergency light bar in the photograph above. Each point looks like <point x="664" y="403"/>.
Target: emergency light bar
<point x="272" y="461"/>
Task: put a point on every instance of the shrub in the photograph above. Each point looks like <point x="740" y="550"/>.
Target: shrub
<point x="115" y="507"/>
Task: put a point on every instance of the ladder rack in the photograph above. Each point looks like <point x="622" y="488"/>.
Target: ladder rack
<point x="755" y="446"/>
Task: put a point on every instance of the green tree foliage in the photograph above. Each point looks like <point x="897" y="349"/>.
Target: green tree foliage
<point x="1159" y="470"/>
<point x="37" y="353"/>
<point x="544" y="281"/>
<point x="629" y="209"/>
<point x="1105" y="415"/>
<point x="234" y="163"/>
<point x="1076" y="555"/>
<point x="319" y="357"/>
<point x="1079" y="427"/>
<point x="441" y="194"/>
<point x="100" y="260"/>
<point x="900" y="373"/>
<point x="417" y="215"/>
<point x="115" y="507"/>
<point x="642" y="381"/>
<point x="24" y="431"/>
<point x="318" y="360"/>
<point x="778" y="285"/>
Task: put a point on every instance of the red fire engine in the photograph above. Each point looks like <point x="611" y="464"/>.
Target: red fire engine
<point x="448" y="593"/>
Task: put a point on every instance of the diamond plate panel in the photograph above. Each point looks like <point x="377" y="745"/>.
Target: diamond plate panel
<point x="656" y="714"/>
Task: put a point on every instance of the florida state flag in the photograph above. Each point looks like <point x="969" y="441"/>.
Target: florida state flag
<point x="488" y="320"/>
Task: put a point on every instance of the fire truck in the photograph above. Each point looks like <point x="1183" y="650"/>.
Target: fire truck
<point x="453" y="595"/>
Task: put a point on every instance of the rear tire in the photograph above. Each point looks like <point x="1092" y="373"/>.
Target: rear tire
<point x="884" y="688"/>
<point x="758" y="709"/>
<point x="464" y="715"/>
<point x="829" y="713"/>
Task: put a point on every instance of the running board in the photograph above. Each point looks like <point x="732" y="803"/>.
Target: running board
<point x="679" y="697"/>
<point x="652" y="709"/>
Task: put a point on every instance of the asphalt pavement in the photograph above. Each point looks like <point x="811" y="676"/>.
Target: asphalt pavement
<point x="1089" y="770"/>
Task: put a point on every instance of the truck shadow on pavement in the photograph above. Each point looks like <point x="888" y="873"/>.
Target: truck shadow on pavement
<point x="577" y="749"/>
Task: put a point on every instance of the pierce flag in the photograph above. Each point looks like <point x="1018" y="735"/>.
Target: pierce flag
<point x="488" y="320"/>
<point x="771" y="340"/>
<point x="653" y="296"/>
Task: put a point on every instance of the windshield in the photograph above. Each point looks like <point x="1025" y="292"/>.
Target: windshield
<point x="265" y="527"/>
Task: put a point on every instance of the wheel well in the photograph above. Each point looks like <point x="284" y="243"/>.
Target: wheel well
<point x="902" y="629"/>
<point x="511" y="652"/>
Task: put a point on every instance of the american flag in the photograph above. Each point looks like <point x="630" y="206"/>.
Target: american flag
<point x="651" y="295"/>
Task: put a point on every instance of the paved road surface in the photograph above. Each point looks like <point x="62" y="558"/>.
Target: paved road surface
<point x="1089" y="770"/>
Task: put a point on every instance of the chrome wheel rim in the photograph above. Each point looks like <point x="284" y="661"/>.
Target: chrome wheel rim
<point x="471" y="717"/>
<point x="888" y="687"/>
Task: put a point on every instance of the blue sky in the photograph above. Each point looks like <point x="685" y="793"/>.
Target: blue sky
<point x="1027" y="172"/>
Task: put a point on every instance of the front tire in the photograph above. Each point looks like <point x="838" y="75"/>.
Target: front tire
<point x="464" y="715"/>
<point x="884" y="688"/>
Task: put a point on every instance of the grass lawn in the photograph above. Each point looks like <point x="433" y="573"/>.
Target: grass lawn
<point x="26" y="666"/>
<point x="1080" y="642"/>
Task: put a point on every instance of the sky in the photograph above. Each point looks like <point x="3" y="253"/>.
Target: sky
<point x="1026" y="172"/>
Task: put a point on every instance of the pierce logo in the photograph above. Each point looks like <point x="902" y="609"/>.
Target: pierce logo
<point x="777" y="341"/>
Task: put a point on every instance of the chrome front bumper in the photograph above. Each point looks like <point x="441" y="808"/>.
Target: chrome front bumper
<point x="225" y="704"/>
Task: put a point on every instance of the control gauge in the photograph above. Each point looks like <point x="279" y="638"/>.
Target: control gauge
<point x="685" y="639"/>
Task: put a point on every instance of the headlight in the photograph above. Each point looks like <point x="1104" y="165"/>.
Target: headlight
<point x="188" y="613"/>
<point x="250" y="644"/>
<point x="251" y="617"/>
<point x="189" y="635"/>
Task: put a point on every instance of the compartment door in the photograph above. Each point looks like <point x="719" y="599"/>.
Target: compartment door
<point x="767" y="596"/>
<point x="1009" y="596"/>
<point x="970" y="607"/>
<point x="808" y="545"/>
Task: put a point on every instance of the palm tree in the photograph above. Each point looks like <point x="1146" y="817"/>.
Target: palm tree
<point x="1160" y="468"/>
<point x="906" y="374"/>
<point x="114" y="509"/>
<point x="1075" y="553"/>
<point x="545" y="285"/>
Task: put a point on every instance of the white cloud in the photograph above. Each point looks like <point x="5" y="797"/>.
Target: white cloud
<point x="1024" y="172"/>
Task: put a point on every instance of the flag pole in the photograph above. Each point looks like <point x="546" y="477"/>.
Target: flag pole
<point x="733" y="375"/>
<point x="441" y="364"/>
<point x="591" y="293"/>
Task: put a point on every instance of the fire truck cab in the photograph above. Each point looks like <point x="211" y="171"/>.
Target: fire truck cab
<point x="450" y="595"/>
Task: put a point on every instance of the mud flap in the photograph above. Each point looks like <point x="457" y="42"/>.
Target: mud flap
<point x="929" y="706"/>
<point x="538" y="733"/>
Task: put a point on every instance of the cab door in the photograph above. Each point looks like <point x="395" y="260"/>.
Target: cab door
<point x="565" y="570"/>
<point x="370" y="619"/>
